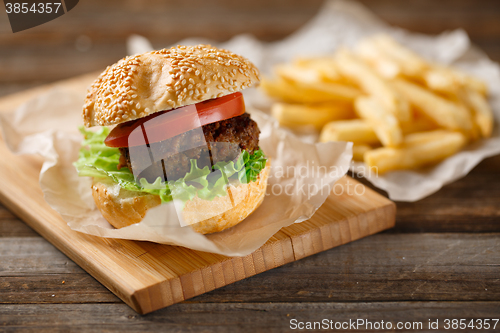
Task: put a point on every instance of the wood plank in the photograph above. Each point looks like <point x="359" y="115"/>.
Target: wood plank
<point x="13" y="227"/>
<point x="469" y="204"/>
<point x="161" y="20"/>
<point x="221" y="19"/>
<point x="53" y="288"/>
<point x="33" y="256"/>
<point x="232" y="317"/>
<point x="431" y="17"/>
<point x="384" y="267"/>
<point x="54" y="51"/>
<point x="150" y="276"/>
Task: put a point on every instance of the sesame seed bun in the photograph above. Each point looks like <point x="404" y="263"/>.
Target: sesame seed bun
<point x="140" y="85"/>
<point x="122" y="208"/>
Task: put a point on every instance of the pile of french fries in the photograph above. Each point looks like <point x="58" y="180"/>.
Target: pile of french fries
<point x="400" y="110"/>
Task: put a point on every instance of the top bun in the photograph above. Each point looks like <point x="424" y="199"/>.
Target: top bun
<point x="140" y="85"/>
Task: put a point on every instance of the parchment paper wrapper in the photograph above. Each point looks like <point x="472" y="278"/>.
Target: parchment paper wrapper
<point x="342" y="23"/>
<point x="301" y="177"/>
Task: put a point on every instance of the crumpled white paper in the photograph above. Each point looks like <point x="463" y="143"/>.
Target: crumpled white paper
<point x="345" y="23"/>
<point x="301" y="177"/>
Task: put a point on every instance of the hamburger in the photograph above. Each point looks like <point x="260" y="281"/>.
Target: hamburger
<point x="173" y="128"/>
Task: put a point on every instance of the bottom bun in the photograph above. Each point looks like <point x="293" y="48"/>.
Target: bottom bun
<point x="122" y="208"/>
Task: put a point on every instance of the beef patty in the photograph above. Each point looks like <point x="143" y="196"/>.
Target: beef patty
<point x="171" y="158"/>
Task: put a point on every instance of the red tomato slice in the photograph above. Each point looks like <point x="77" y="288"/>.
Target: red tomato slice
<point x="177" y="121"/>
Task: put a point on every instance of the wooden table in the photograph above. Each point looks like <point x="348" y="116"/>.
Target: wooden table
<point x="442" y="260"/>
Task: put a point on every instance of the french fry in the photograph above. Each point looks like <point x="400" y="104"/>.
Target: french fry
<point x="296" y="73"/>
<point x="445" y="113"/>
<point x="441" y="80"/>
<point x="410" y="63"/>
<point x="386" y="67"/>
<point x="283" y="90"/>
<point x="358" y="152"/>
<point x="331" y="90"/>
<point x="473" y="83"/>
<point x="482" y="114"/>
<point x="390" y="58"/>
<point x="421" y="112"/>
<point x="421" y="138"/>
<point x="323" y="66"/>
<point x="418" y="150"/>
<point x="383" y="122"/>
<point x="316" y="115"/>
<point x="462" y="97"/>
<point x="420" y="123"/>
<point x="289" y="91"/>
<point x="373" y="84"/>
<point x="358" y="131"/>
<point x="448" y="80"/>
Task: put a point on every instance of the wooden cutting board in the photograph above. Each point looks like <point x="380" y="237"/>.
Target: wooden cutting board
<point x="149" y="276"/>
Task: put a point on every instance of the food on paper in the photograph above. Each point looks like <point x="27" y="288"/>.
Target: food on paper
<point x="384" y="123"/>
<point x="180" y="134"/>
<point x="371" y="83"/>
<point x="408" y="112"/>
<point x="359" y="150"/>
<point x="300" y="92"/>
<point x="310" y="114"/>
<point x="417" y="150"/>
<point x="357" y="131"/>
<point x="442" y="111"/>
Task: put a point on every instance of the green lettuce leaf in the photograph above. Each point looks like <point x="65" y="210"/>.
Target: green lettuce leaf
<point x="100" y="161"/>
